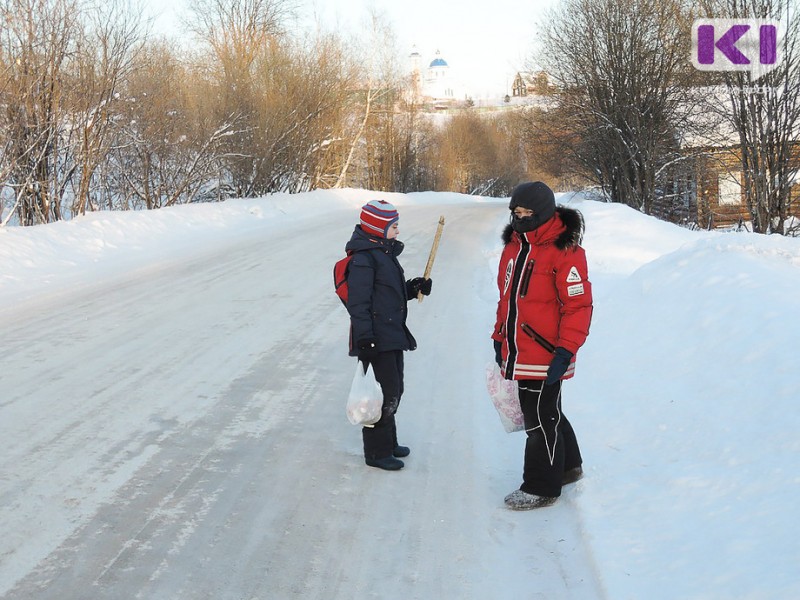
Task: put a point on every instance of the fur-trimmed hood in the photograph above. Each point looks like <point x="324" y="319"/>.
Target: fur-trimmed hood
<point x="564" y="230"/>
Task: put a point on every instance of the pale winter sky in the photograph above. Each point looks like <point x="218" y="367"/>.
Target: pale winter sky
<point x="484" y="41"/>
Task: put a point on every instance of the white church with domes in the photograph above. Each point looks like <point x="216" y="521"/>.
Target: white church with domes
<point x="432" y="80"/>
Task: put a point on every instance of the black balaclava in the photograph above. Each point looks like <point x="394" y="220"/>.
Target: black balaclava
<point x="535" y="196"/>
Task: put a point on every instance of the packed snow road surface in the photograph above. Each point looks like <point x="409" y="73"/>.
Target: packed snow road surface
<point x="177" y="430"/>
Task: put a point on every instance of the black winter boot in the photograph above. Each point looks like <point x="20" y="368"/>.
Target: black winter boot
<point x="389" y="463"/>
<point x="401" y="451"/>
<point x="572" y="475"/>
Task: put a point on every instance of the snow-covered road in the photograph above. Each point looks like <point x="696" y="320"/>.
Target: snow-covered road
<point x="178" y="431"/>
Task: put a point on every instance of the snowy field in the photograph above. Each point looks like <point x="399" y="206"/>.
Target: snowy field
<point x="172" y="420"/>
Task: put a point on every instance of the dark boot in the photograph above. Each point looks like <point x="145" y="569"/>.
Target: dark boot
<point x="379" y="445"/>
<point x="572" y="475"/>
<point x="378" y="440"/>
<point x="389" y="463"/>
<point x="401" y="451"/>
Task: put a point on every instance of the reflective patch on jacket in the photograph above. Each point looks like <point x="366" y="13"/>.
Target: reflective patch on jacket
<point x="525" y="371"/>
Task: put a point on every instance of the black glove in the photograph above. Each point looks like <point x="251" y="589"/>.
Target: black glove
<point x="417" y="285"/>
<point x="367" y="349"/>
<point x="558" y="366"/>
<point x="498" y="353"/>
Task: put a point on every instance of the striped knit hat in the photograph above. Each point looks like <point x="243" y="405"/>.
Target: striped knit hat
<point x="377" y="216"/>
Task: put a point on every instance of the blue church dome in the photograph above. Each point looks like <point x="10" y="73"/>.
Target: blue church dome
<point x="438" y="62"/>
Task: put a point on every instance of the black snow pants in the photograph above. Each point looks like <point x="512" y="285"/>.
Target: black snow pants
<point x="551" y="447"/>
<point x="381" y="439"/>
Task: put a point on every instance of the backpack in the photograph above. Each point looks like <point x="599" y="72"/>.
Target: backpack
<point x="340" y="270"/>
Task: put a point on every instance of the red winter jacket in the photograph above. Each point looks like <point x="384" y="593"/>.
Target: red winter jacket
<point x="545" y="293"/>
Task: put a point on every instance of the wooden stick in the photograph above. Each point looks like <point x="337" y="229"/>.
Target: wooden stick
<point x="432" y="255"/>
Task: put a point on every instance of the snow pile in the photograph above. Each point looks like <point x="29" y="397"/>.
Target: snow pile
<point x="689" y="404"/>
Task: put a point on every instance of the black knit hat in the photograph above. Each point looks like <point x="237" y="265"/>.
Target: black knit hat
<point x="535" y="196"/>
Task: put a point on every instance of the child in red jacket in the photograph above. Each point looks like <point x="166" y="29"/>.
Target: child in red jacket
<point x="543" y="317"/>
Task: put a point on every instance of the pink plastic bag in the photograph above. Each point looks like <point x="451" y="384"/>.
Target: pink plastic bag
<point x="505" y="398"/>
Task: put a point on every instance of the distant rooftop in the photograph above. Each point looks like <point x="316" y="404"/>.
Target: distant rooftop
<point x="438" y="61"/>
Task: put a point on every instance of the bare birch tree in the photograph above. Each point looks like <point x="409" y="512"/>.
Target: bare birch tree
<point x="285" y="95"/>
<point x="621" y="67"/>
<point x="168" y="146"/>
<point x="104" y="57"/>
<point x="478" y="155"/>
<point x="38" y="41"/>
<point x="414" y="163"/>
<point x="376" y="100"/>
<point x="304" y="87"/>
<point x="236" y="33"/>
<point x="765" y="113"/>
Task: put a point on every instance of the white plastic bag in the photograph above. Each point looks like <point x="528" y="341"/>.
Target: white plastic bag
<point x="505" y="398"/>
<point x="365" y="401"/>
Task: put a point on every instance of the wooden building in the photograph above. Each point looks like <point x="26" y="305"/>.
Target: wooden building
<point x="711" y="172"/>
<point x="720" y="196"/>
<point x="531" y="84"/>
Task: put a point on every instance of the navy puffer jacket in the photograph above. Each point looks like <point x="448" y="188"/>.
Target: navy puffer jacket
<point x="377" y="300"/>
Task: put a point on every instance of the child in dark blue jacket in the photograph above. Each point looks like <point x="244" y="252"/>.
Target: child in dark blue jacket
<point x="377" y="303"/>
